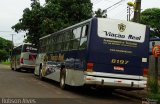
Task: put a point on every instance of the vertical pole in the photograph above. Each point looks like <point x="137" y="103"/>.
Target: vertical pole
<point x="129" y="13"/>
<point x="156" y="74"/>
<point x="12" y="42"/>
<point x="12" y="49"/>
<point x="137" y="11"/>
<point x="106" y="13"/>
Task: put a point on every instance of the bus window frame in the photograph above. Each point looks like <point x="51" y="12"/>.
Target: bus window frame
<point x="68" y="33"/>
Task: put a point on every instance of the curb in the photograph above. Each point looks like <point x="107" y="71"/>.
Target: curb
<point x="138" y="95"/>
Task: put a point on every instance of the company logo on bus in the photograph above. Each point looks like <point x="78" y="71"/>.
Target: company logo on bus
<point x="121" y="27"/>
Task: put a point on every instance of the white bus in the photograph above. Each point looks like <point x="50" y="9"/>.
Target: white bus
<point x="96" y="52"/>
<point x="23" y="57"/>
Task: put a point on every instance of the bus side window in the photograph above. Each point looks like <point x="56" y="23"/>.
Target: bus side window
<point x="54" y="38"/>
<point x="85" y="31"/>
<point x="67" y="35"/>
<point x="83" y="41"/>
<point x="39" y="46"/>
<point x="77" y="32"/>
<point x="71" y="35"/>
<point x="71" y="45"/>
<point x="50" y="45"/>
<point x="43" y="45"/>
<point x="74" y="43"/>
<point x="66" y="40"/>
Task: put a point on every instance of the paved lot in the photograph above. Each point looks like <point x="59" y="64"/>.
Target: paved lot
<point x="21" y="85"/>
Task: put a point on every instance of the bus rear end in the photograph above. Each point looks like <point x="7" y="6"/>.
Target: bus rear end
<point x="118" y="54"/>
<point x="28" y="56"/>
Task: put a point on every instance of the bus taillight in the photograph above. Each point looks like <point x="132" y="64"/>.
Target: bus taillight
<point x="21" y="60"/>
<point x="89" y="67"/>
<point x="145" y="72"/>
<point x="32" y="57"/>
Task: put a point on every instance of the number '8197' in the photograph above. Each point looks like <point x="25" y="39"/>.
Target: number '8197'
<point x="117" y="61"/>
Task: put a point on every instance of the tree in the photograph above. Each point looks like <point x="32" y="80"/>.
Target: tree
<point x="76" y="10"/>
<point x="31" y="22"/>
<point x="62" y="13"/>
<point x="5" y="46"/>
<point x="100" y="13"/>
<point x="151" y="17"/>
<point x="52" y="20"/>
<point x="53" y="16"/>
<point x="3" y="55"/>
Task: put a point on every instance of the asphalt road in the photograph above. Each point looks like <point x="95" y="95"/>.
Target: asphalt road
<point x="25" y="86"/>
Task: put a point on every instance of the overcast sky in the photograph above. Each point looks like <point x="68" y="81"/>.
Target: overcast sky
<point x="12" y="10"/>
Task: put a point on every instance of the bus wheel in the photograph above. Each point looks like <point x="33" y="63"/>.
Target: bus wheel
<point x="62" y="80"/>
<point x="41" y="75"/>
<point x="15" y="68"/>
<point x="12" y="68"/>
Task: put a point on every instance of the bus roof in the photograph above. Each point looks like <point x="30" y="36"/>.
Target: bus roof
<point x="23" y="44"/>
<point x="80" y="24"/>
<point x="67" y="28"/>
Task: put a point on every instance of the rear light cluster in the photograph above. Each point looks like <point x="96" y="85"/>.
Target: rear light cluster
<point x="21" y="60"/>
<point x="89" y="67"/>
<point x="32" y="57"/>
<point x="145" y="72"/>
<point x="89" y="78"/>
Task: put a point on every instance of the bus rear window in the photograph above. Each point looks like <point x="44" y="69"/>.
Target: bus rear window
<point x="29" y="48"/>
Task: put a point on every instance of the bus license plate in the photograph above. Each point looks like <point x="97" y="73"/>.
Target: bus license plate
<point x="118" y="68"/>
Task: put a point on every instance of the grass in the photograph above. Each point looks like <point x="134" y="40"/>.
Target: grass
<point x="5" y="62"/>
<point x="154" y="96"/>
<point x="154" y="92"/>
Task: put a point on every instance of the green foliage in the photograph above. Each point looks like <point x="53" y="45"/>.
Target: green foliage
<point x="53" y="16"/>
<point x="6" y="62"/>
<point x="3" y="55"/>
<point x="5" y="46"/>
<point x="154" y="92"/>
<point x="153" y="87"/>
<point x="151" y="17"/>
<point x="100" y="13"/>
<point x="31" y="21"/>
<point x="76" y="10"/>
<point x="155" y="96"/>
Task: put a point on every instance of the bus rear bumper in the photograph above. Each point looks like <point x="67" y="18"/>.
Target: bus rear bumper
<point x="115" y="82"/>
<point x="27" y="66"/>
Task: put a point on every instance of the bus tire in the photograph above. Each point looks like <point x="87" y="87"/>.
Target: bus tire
<point x="40" y="75"/>
<point x="15" y="68"/>
<point x="19" y="69"/>
<point x="62" y="79"/>
<point x="12" y="67"/>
